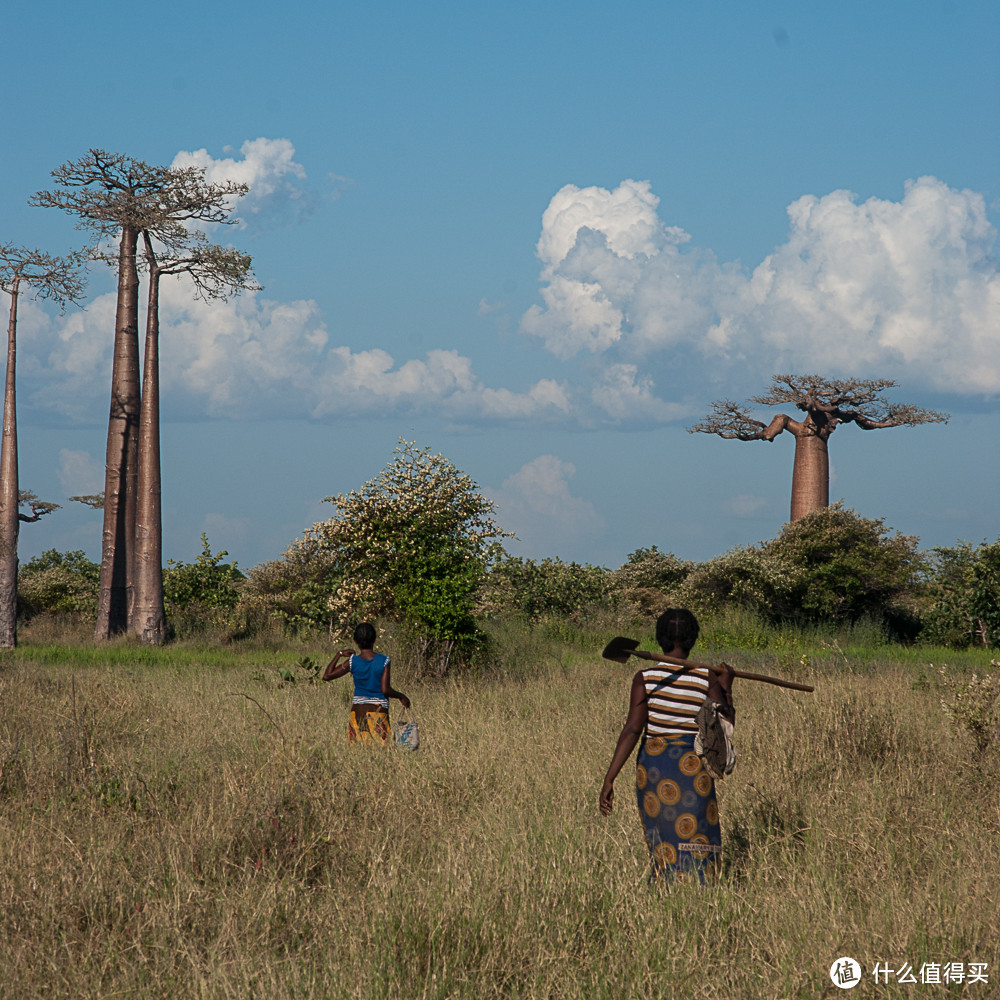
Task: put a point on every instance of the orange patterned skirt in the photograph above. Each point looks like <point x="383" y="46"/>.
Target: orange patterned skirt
<point x="368" y="723"/>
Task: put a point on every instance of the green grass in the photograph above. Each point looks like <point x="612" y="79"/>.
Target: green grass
<point x="175" y="824"/>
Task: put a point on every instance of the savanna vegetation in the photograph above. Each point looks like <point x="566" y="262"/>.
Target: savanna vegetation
<point x="419" y="548"/>
<point x="181" y="815"/>
<point x="190" y="821"/>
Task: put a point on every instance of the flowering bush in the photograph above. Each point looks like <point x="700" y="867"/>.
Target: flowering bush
<point x="414" y="545"/>
<point x="746" y="577"/>
<point x="295" y="588"/>
<point x="646" y="578"/>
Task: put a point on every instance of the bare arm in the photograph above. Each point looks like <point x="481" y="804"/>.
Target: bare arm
<point x="720" y="687"/>
<point x="333" y="671"/>
<point x="389" y="691"/>
<point x="632" y="730"/>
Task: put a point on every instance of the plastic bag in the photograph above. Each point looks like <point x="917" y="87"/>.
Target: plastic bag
<point x="405" y="732"/>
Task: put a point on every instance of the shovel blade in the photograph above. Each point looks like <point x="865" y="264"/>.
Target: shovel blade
<point x="619" y="649"/>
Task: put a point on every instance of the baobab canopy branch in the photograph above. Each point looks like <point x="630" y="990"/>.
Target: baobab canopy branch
<point x="826" y="403"/>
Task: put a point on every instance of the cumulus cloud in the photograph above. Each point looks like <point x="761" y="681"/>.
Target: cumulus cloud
<point x="253" y="357"/>
<point x="249" y="356"/>
<point x="80" y="474"/>
<point x="626" y="217"/>
<point x="622" y="393"/>
<point x="902" y="288"/>
<point x="616" y="275"/>
<point x="225" y="530"/>
<point x="745" y="505"/>
<point x="876" y="288"/>
<point x="277" y="183"/>
<point x="537" y="505"/>
<point x="65" y="362"/>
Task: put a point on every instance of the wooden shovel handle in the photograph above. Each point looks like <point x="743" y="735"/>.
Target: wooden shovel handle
<point x="677" y="661"/>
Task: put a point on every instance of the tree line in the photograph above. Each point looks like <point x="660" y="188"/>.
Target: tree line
<point x="418" y="548"/>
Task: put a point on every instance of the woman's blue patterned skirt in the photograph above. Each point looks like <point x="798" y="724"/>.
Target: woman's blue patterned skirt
<point x="676" y="798"/>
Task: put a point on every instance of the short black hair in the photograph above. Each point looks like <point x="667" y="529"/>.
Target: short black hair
<point x="676" y="627"/>
<point x="364" y="635"/>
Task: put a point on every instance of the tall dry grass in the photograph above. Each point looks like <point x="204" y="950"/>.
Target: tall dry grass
<point x="174" y="831"/>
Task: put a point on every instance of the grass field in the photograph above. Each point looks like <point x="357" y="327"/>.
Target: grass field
<point x="174" y="823"/>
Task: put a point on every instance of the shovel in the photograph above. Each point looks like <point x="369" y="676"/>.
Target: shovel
<point x="620" y="649"/>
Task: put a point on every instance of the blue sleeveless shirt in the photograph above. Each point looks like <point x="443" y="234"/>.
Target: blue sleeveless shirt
<point x="367" y="676"/>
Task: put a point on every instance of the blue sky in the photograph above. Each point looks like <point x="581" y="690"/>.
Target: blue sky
<point x="538" y="238"/>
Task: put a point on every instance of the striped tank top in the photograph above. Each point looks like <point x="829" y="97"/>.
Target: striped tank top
<point x="673" y="698"/>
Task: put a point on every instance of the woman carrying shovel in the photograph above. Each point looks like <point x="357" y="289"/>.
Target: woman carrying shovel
<point x="674" y="790"/>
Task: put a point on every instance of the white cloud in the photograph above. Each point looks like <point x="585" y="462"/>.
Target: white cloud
<point x="745" y="505"/>
<point x="900" y="288"/>
<point x="268" y="167"/>
<point x="545" y="397"/>
<point x="250" y="356"/>
<point x="881" y="288"/>
<point x="80" y="474"/>
<point x="254" y="357"/>
<point x="576" y="315"/>
<point x="626" y="217"/>
<point x="625" y="395"/>
<point x="537" y="505"/>
<point x="65" y="362"/>
<point x="222" y="530"/>
<point x="615" y="275"/>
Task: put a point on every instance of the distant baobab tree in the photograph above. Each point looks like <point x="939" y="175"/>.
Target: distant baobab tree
<point x="117" y="197"/>
<point x="217" y="272"/>
<point x="826" y="403"/>
<point x="56" y="278"/>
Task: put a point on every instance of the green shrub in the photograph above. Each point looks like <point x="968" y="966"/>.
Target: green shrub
<point x="543" y="589"/>
<point x="832" y="567"/>
<point x="848" y="567"/>
<point x="202" y="596"/>
<point x="207" y="581"/>
<point x="61" y="584"/>
<point x="294" y="589"/>
<point x="965" y="590"/>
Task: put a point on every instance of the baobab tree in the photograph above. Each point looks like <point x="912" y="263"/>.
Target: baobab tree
<point x="217" y="272"/>
<point x="56" y="278"/>
<point x="118" y="197"/>
<point x="826" y="403"/>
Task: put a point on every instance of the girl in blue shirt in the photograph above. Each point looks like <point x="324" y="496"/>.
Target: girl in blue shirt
<point x="369" y="720"/>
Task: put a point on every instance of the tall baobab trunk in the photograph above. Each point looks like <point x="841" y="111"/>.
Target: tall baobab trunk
<point x="118" y="540"/>
<point x="810" y="472"/>
<point x="9" y="520"/>
<point x="147" y="619"/>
